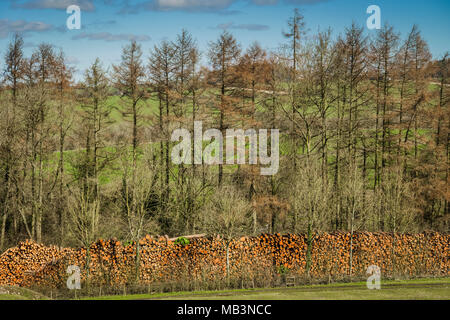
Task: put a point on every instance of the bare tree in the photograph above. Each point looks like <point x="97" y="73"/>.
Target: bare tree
<point x="296" y="30"/>
<point x="226" y="215"/>
<point x="223" y="55"/>
<point x="135" y="199"/>
<point x="84" y="218"/>
<point x="63" y="79"/>
<point x="162" y="72"/>
<point x="13" y="75"/>
<point x="313" y="198"/>
<point x="96" y="113"/>
<point x="128" y="78"/>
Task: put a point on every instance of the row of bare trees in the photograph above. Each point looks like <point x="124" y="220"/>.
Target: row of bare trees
<point x="364" y="125"/>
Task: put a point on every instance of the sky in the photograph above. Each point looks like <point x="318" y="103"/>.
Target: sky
<point x="108" y="25"/>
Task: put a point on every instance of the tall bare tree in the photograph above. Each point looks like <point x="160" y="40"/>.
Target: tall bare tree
<point x="223" y="55"/>
<point x="296" y="30"/>
<point x="13" y="75"/>
<point x="162" y="72"/>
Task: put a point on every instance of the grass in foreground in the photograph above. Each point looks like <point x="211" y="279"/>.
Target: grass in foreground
<point x="17" y="293"/>
<point x="423" y="289"/>
<point x="433" y="289"/>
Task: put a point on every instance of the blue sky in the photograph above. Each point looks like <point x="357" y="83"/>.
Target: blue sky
<point x="107" y="25"/>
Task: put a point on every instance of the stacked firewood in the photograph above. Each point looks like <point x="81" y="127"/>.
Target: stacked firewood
<point x="213" y="258"/>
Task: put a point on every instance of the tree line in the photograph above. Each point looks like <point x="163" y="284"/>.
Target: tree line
<point x="364" y="142"/>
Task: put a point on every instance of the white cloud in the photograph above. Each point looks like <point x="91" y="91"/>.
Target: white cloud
<point x="249" y="26"/>
<point x="177" y="5"/>
<point x="106" y="36"/>
<point x="193" y="4"/>
<point x="85" y="5"/>
<point x="265" y="2"/>
<point x="72" y="60"/>
<point x="21" y="26"/>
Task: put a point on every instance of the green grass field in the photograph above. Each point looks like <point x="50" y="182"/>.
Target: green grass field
<point x="418" y="289"/>
<point x="421" y="289"/>
<point x="17" y="293"/>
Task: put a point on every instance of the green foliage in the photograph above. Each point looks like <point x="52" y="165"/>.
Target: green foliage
<point x="182" y="241"/>
<point x="282" y="270"/>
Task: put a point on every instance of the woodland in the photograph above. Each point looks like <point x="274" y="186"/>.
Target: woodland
<point x="364" y="138"/>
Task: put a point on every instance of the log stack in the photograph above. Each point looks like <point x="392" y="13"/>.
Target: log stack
<point x="109" y="262"/>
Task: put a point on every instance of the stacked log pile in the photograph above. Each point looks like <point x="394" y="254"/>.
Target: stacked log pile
<point x="211" y="259"/>
<point x="28" y="259"/>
